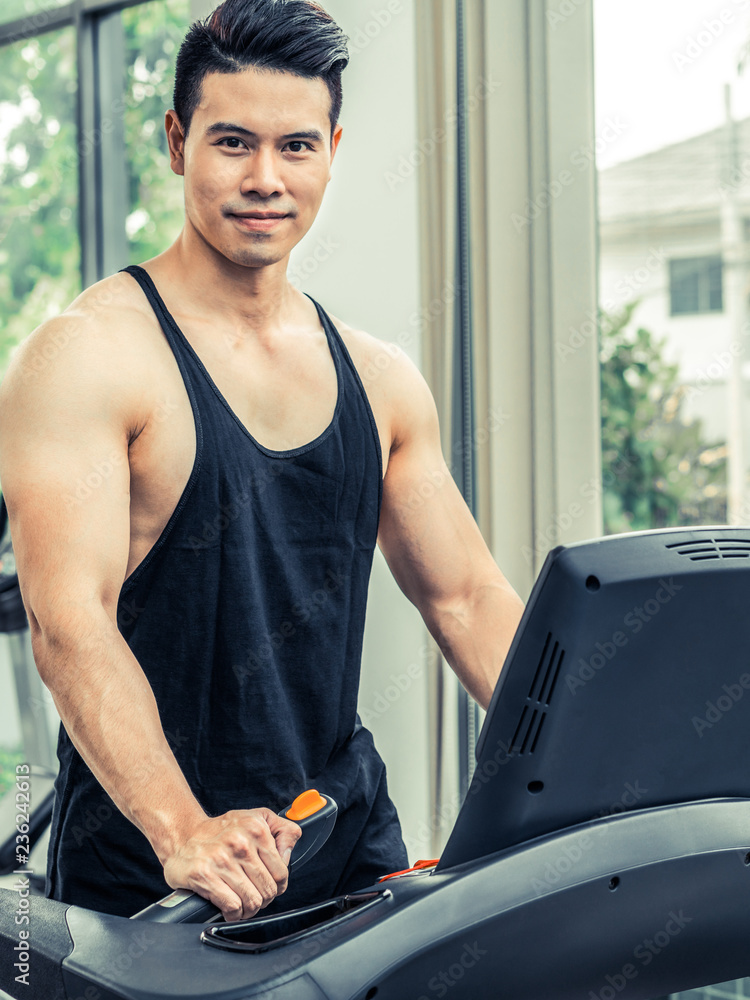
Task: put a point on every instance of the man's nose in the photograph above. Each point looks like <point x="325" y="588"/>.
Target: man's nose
<point x="263" y="175"/>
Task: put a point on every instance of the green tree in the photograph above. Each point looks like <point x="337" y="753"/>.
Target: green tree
<point x="658" y="470"/>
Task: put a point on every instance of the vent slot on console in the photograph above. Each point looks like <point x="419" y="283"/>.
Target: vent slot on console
<point x="713" y="548"/>
<point x="528" y="730"/>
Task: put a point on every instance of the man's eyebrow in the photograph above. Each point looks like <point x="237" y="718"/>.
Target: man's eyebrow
<point x="311" y="134"/>
<point x="222" y="127"/>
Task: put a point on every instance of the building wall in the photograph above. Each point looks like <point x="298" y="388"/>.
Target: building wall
<point x="637" y="267"/>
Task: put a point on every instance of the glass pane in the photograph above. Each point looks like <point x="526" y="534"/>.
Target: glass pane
<point x="695" y="285"/>
<point x="153" y="35"/>
<point x="39" y="247"/>
<point x="673" y="159"/>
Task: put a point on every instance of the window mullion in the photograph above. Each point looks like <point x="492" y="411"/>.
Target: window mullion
<point x="110" y="141"/>
<point x="101" y="145"/>
<point x="87" y="173"/>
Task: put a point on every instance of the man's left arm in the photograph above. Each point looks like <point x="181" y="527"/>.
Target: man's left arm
<point x="433" y="545"/>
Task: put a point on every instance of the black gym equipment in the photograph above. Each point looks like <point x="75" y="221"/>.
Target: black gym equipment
<point x="602" y="850"/>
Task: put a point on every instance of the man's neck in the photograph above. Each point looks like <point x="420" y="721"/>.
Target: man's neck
<point x="257" y="302"/>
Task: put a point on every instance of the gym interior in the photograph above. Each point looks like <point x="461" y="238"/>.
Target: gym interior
<point x="546" y="205"/>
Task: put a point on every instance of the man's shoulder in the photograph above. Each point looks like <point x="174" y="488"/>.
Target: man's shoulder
<point x="101" y="321"/>
<point x="100" y="340"/>
<point x="392" y="380"/>
<point x="378" y="361"/>
<point x="107" y="307"/>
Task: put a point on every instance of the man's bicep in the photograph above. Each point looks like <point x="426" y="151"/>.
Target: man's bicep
<point x="427" y="534"/>
<point x="65" y="476"/>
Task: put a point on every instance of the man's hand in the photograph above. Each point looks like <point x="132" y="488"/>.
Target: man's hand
<point x="238" y="861"/>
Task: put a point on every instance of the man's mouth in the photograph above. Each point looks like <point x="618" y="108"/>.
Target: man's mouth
<point x="259" y="221"/>
<point x="260" y="215"/>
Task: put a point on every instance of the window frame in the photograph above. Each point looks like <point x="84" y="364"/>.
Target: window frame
<point x="102" y="209"/>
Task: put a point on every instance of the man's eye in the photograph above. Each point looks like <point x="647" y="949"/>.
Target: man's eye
<point x="232" y="142"/>
<point x="298" y="142"/>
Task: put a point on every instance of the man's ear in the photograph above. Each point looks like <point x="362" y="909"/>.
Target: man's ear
<point x="176" y="142"/>
<point x="335" y="140"/>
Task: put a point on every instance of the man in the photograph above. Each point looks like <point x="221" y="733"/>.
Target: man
<point x="196" y="479"/>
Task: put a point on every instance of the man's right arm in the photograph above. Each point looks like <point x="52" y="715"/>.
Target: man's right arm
<point x="60" y="422"/>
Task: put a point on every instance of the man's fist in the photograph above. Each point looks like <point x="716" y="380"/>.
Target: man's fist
<point x="239" y="861"/>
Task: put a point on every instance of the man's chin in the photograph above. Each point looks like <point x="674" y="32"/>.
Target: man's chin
<point x="255" y="257"/>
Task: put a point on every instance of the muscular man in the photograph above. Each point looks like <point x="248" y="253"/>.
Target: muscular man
<point x="196" y="477"/>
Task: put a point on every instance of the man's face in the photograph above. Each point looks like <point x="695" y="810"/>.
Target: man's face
<point x="259" y="145"/>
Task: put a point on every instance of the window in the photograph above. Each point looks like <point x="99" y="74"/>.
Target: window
<point x="674" y="424"/>
<point x="695" y="285"/>
<point x="85" y="185"/>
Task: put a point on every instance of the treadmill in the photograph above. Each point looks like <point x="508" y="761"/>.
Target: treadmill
<point x="602" y="850"/>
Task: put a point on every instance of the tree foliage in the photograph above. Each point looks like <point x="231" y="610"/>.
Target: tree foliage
<point x="658" y="470"/>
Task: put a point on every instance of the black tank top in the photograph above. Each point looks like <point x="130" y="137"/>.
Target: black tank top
<point x="247" y="617"/>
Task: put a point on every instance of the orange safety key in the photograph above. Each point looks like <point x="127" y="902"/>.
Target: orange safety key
<point x="316" y="815"/>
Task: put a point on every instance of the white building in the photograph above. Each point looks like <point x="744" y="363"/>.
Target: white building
<point x="662" y="241"/>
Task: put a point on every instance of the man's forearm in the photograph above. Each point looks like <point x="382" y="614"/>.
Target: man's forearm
<point x="475" y="636"/>
<point x="110" y="714"/>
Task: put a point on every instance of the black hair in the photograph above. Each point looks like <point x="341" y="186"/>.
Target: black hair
<point x="293" y="36"/>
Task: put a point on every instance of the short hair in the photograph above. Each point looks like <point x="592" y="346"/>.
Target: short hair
<point x="293" y="36"/>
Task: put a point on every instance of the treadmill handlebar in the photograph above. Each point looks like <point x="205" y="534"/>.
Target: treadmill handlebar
<point x="312" y="811"/>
